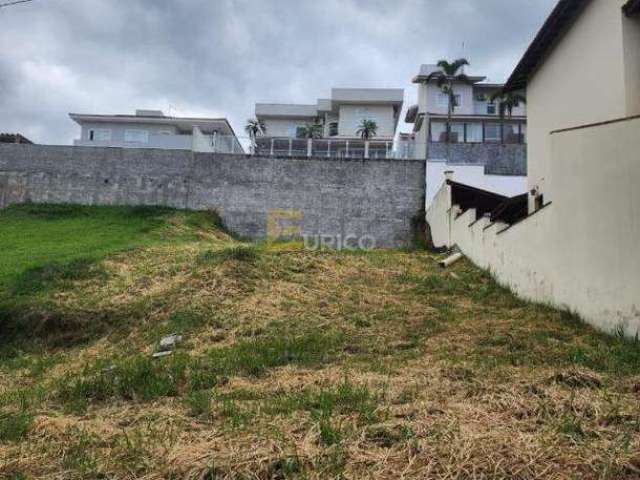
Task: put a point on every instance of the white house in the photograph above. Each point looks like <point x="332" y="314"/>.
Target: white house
<point x="339" y="118"/>
<point x="475" y="118"/>
<point x="152" y="129"/>
<point x="572" y="240"/>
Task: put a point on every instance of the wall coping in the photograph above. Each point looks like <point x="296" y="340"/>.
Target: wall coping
<point x="597" y="124"/>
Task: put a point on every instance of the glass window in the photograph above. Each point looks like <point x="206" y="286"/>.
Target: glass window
<point x="457" y="133"/>
<point x="301" y="132"/>
<point x="474" y="132"/>
<point x="491" y="109"/>
<point x="100" y="135"/>
<point x="523" y="132"/>
<point x="438" y="132"/>
<point x="333" y="129"/>
<point x="511" y="133"/>
<point x="136" y="136"/>
<point x="443" y="100"/>
<point x="492" y="132"/>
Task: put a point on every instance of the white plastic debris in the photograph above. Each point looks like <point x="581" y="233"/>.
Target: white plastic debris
<point x="170" y="342"/>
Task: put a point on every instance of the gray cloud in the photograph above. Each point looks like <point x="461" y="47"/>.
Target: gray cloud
<point x="219" y="57"/>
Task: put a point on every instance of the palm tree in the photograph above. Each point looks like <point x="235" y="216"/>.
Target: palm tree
<point x="367" y="129"/>
<point x="255" y="128"/>
<point x="507" y="102"/>
<point x="449" y="74"/>
<point x="311" y="130"/>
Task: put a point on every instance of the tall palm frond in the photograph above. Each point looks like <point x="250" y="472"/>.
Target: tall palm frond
<point x="255" y="128"/>
<point x="311" y="131"/>
<point x="507" y="102"/>
<point x="367" y="129"/>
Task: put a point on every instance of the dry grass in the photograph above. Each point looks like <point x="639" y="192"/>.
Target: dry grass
<point x="313" y="365"/>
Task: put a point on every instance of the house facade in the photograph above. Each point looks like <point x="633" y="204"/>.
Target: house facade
<point x="571" y="240"/>
<point x="476" y="119"/>
<point x="152" y="129"/>
<point x="338" y="119"/>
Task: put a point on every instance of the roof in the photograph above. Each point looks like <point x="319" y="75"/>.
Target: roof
<point x="146" y="117"/>
<point x="14" y="138"/>
<point x="289" y="110"/>
<point x="500" y="208"/>
<point x="468" y="197"/>
<point x="367" y="95"/>
<point x="428" y="69"/>
<point x="631" y="8"/>
<point x="559" y="22"/>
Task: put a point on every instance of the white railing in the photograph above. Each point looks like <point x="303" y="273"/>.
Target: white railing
<point x="327" y="148"/>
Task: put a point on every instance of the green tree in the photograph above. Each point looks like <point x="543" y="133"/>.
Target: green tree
<point x="507" y="101"/>
<point x="449" y="74"/>
<point x="367" y="129"/>
<point x="311" y="130"/>
<point x="254" y="129"/>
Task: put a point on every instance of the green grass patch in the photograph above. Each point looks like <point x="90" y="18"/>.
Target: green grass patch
<point x="41" y="242"/>
<point x="254" y="357"/>
<point x="14" y="426"/>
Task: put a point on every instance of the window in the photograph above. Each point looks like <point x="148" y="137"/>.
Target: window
<point x="511" y="133"/>
<point x="301" y="132"/>
<point x="443" y="100"/>
<point x="333" y="129"/>
<point x="474" y="132"/>
<point x="491" y="109"/>
<point x="457" y="132"/>
<point x="438" y="132"/>
<point x="481" y="97"/>
<point x="100" y="135"/>
<point x="492" y="132"/>
<point x="136" y="136"/>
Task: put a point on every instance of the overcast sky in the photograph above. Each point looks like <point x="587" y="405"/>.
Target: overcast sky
<point x="217" y="58"/>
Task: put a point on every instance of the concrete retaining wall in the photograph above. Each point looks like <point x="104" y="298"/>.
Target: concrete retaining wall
<point x="258" y="197"/>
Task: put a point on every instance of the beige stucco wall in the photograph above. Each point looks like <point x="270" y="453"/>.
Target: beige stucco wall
<point x="581" y="82"/>
<point x="631" y="52"/>
<point x="579" y="253"/>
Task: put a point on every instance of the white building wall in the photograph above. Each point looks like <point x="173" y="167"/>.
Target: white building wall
<point x="473" y="175"/>
<point x="431" y="92"/>
<point x="283" y="127"/>
<point x="351" y="117"/>
<point x="580" y="252"/>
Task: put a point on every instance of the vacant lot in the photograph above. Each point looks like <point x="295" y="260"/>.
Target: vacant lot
<point x="294" y="364"/>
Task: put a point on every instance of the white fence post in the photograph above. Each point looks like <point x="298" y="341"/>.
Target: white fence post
<point x="347" y="149"/>
<point x="329" y="149"/>
<point x="366" y="149"/>
<point x="290" y="146"/>
<point x="309" y="147"/>
<point x="271" y="151"/>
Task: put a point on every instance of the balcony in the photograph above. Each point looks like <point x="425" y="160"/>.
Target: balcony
<point x="479" y="131"/>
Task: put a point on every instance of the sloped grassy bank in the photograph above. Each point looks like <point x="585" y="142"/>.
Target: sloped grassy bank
<point x="294" y="364"/>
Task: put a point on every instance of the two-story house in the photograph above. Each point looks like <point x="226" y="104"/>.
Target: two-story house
<point x="338" y="120"/>
<point x="476" y="119"/>
<point x="152" y="129"/>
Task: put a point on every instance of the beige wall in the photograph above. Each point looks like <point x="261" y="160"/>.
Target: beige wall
<point x="631" y="45"/>
<point x="582" y="81"/>
<point x="579" y="253"/>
